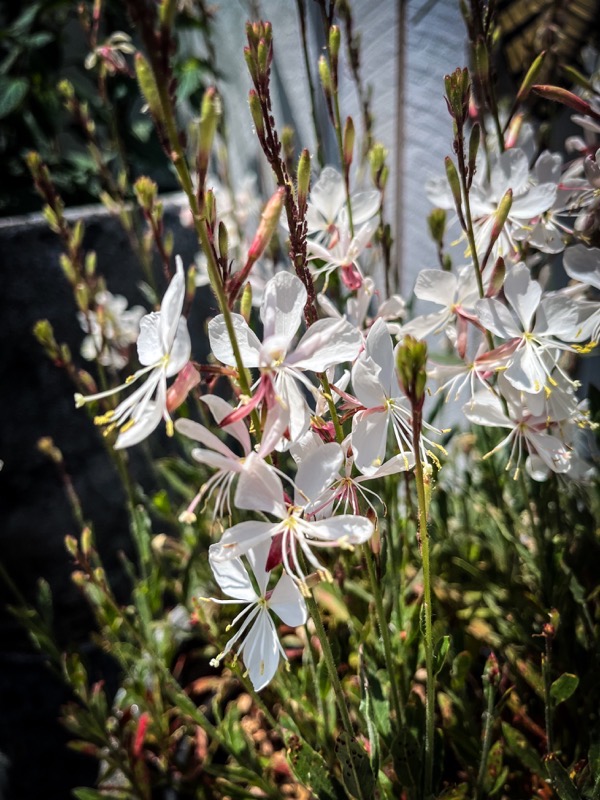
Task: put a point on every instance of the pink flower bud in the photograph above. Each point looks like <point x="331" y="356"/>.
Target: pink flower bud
<point x="268" y="223"/>
<point x="186" y="380"/>
<point x="351" y="277"/>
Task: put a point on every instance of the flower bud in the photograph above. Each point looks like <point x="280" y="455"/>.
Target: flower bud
<point x="71" y="545"/>
<point x="223" y="241"/>
<point x="256" y="111"/>
<point x="379" y="170"/>
<point x="46" y="446"/>
<point x="454" y="181"/>
<point x="267" y="226"/>
<point x="411" y="362"/>
<point x="82" y="297"/>
<point x="89" y="264"/>
<point x="209" y="118"/>
<point x="482" y="60"/>
<point x="86" y="541"/>
<point x="491" y="671"/>
<point x="287" y="142"/>
<point x="146" y="191"/>
<point x="335" y="39"/>
<point x="501" y="216"/>
<point x="559" y="95"/>
<point x="148" y="86"/>
<point x="497" y="278"/>
<point x="514" y="129"/>
<point x="246" y="303"/>
<point x="186" y="380"/>
<point x="303" y="177"/>
<point x="474" y="139"/>
<point x="348" y="141"/>
<point x="210" y="209"/>
<point x="437" y="225"/>
<point x="325" y="76"/>
<point x="530" y="78"/>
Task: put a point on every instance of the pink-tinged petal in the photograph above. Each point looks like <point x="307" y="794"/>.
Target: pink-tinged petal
<point x="287" y="602"/>
<point x="361" y="238"/>
<point x="364" y="206"/>
<point x="317" y="471"/>
<point x="436" y="286"/>
<point x="486" y="409"/>
<point x="369" y="439"/>
<point x="239" y="539"/>
<point x="283" y="306"/>
<point x="366" y="384"/>
<point x="171" y="307"/>
<point x="526" y="370"/>
<point x="216" y="460"/>
<point x="193" y="430"/>
<point x="326" y="343"/>
<point x="260" y="651"/>
<point x="550" y="449"/>
<point x="149" y="345"/>
<point x="533" y="202"/>
<point x="220" y="343"/>
<point x="259" y="488"/>
<point x="495" y="317"/>
<point x="522" y="293"/>
<point x="233" y="579"/>
<point x="379" y="347"/>
<point x="343" y="529"/>
<point x="220" y="409"/>
<point x="275" y="426"/>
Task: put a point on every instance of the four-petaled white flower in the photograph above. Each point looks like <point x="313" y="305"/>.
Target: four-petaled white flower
<point x="260" y="649"/>
<point x="163" y="349"/>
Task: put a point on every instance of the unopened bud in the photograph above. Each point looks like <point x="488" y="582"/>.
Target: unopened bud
<point x="530" y="78"/>
<point x="411" y="362"/>
<point x="46" y="446"/>
<point x="267" y="226"/>
<point x="437" y="225"/>
<point x="348" y="141"/>
<point x="454" y="182"/>
<point x="501" y="216"/>
<point x="559" y="95"/>
<point x="497" y="278"/>
<point x="68" y="268"/>
<point x="209" y="118"/>
<point x="379" y="170"/>
<point x="86" y="540"/>
<point x="491" y="671"/>
<point x="223" y="241"/>
<point x="148" y="86"/>
<point x="513" y="131"/>
<point x="303" y="179"/>
<point x="482" y="60"/>
<point x="210" y="209"/>
<point x="287" y="142"/>
<point x="335" y="39"/>
<point x="256" y="111"/>
<point x="246" y="303"/>
<point x="82" y="297"/>
<point x="71" y="545"/>
<point x="474" y="139"/>
<point x="186" y="380"/>
<point x="146" y="192"/>
<point x="89" y="265"/>
<point x="325" y="76"/>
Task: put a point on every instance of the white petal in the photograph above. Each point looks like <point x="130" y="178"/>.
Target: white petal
<point x="522" y="293"/>
<point x="294" y="405"/>
<point x="239" y="539"/>
<point x="526" y="370"/>
<point x="436" y="286"/>
<point x="557" y="316"/>
<point x="181" y="349"/>
<point x="366" y="383"/>
<point x="193" y="430"/>
<point x="380" y="348"/>
<point x="233" y="578"/>
<point x="348" y="528"/>
<point x="260" y="651"/>
<point x="316" y="472"/>
<point x="287" y="602"/>
<point x="369" y="439"/>
<point x="220" y="343"/>
<point x="534" y="202"/>
<point x="328" y="194"/>
<point x="495" y="317"/>
<point x="282" y="306"/>
<point x="364" y="206"/>
<point x="171" y="306"/>
<point x="326" y="343"/>
<point x="509" y="171"/>
<point x="259" y="488"/>
<point x="220" y="408"/>
<point x="486" y="409"/>
<point x="583" y="264"/>
<point x="149" y="345"/>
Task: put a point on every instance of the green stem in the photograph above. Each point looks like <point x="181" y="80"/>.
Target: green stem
<point x="311" y="85"/>
<point x="339" y="431"/>
<point x="488" y="719"/>
<point x="424" y="541"/>
<point x="313" y="610"/>
<point x="390" y="661"/>
<point x="345" y="169"/>
<point x="547" y="678"/>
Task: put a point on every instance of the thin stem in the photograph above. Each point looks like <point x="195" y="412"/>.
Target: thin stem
<point x="390" y="661"/>
<point x="313" y="610"/>
<point x="424" y="542"/>
<point x="311" y="85"/>
<point x="547" y="678"/>
<point x="345" y="168"/>
<point x="339" y="431"/>
<point x="488" y="721"/>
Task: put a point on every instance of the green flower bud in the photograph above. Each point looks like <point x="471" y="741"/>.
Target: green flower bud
<point x="303" y="179"/>
<point x="454" y="181"/>
<point x="256" y="111"/>
<point x="531" y="77"/>
<point x="348" y="141"/>
<point x="246" y="303"/>
<point x="148" y="86"/>
<point x="223" y="241"/>
<point x="437" y="225"/>
<point x="411" y="362"/>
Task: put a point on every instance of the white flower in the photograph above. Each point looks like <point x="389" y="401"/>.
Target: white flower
<point x="326" y="343"/>
<point x="294" y="530"/>
<point x="536" y="327"/>
<point x="111" y="329"/>
<point x="327" y="201"/>
<point x="343" y="254"/>
<point x="260" y="649"/>
<point x="163" y="349"/>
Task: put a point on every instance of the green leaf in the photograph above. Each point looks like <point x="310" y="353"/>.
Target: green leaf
<point x="310" y="768"/>
<point x="440" y="653"/>
<point x="23" y="23"/>
<point x="406" y="755"/>
<point x="562" y="783"/>
<point x="12" y="94"/>
<point x="356" y="770"/>
<point x="563" y="687"/>
<point x="522" y="749"/>
<point x="370" y="686"/>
